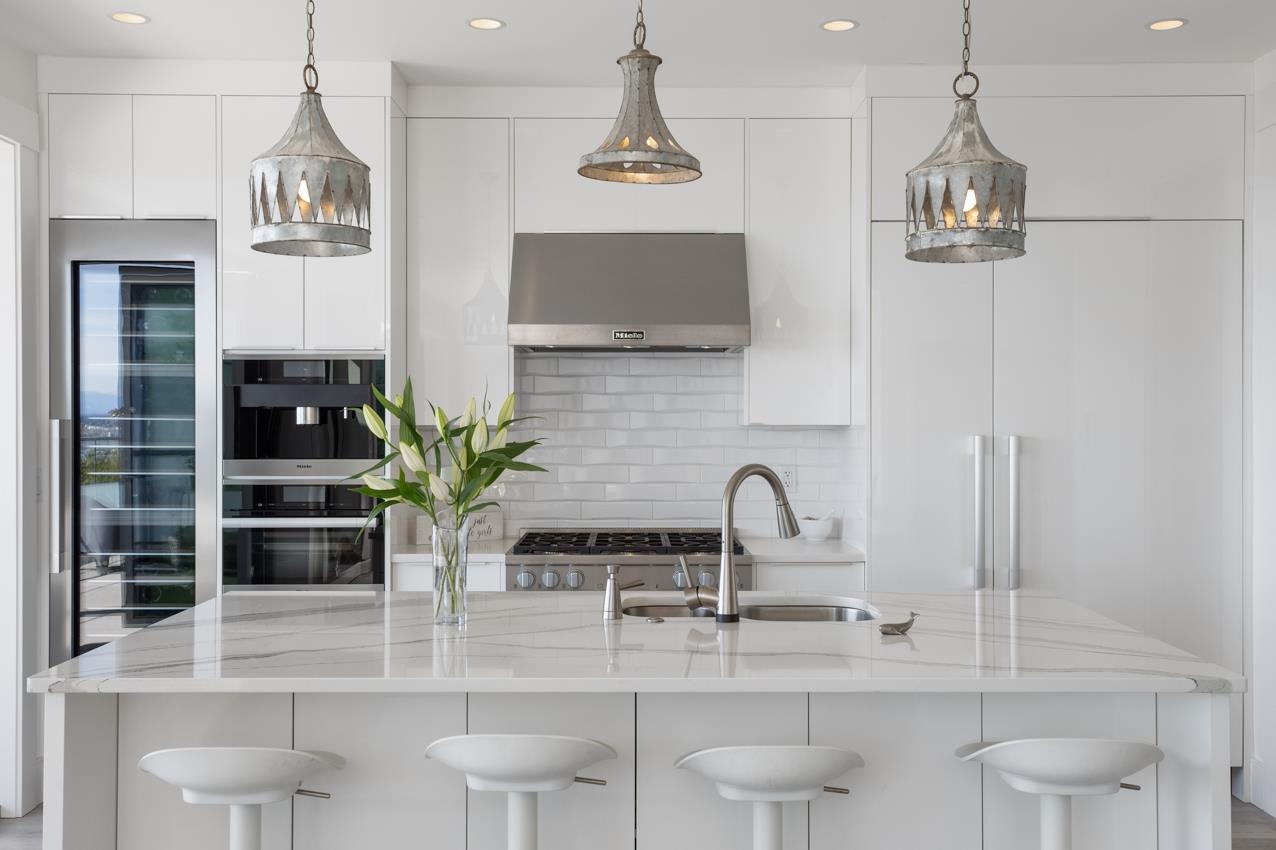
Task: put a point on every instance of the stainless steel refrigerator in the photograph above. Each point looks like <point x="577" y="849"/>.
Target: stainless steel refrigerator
<point x="133" y="407"/>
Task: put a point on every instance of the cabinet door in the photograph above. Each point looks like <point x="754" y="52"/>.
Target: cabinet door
<point x="1157" y="157"/>
<point x="174" y="156"/>
<point x="799" y="363"/>
<point x="584" y="817"/>
<point x="262" y="294"/>
<point x="458" y="260"/>
<point x="549" y="194"/>
<point x="90" y="155"/>
<point x="840" y="579"/>
<point x="346" y="296"/>
<point x="907" y="741"/>
<point x="1118" y="363"/>
<point x="1123" y="821"/>
<point x="680" y="809"/>
<point x="932" y="393"/>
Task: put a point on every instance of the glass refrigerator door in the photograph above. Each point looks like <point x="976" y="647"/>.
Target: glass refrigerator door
<point x="135" y="446"/>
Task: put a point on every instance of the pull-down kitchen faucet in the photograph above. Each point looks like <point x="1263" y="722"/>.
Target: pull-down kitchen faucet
<point x="723" y="601"/>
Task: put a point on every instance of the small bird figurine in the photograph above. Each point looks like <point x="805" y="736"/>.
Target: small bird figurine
<point x="899" y="628"/>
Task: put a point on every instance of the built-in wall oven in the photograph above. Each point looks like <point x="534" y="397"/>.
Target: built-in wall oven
<point x="292" y="440"/>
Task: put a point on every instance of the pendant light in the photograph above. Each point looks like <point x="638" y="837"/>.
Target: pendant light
<point x="310" y="195"/>
<point x="640" y="148"/>
<point x="965" y="200"/>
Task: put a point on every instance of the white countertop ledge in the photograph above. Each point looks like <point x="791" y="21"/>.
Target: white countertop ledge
<point x="969" y="642"/>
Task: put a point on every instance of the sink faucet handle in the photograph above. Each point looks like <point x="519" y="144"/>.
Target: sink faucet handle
<point x="611" y="594"/>
<point x="686" y="571"/>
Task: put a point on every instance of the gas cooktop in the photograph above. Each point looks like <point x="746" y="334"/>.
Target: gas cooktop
<point x="622" y="541"/>
<point x="577" y="558"/>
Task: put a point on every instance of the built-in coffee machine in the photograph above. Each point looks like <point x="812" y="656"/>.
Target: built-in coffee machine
<point x="293" y="437"/>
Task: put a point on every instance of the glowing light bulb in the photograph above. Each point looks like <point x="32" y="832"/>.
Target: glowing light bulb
<point x="971" y="201"/>
<point x="303" y="192"/>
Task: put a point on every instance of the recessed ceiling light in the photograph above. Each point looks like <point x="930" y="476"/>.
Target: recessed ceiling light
<point x="840" y="25"/>
<point x="129" y="18"/>
<point x="487" y="24"/>
<point x="1167" y="24"/>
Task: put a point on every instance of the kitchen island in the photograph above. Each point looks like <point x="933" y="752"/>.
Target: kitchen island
<point x="367" y="676"/>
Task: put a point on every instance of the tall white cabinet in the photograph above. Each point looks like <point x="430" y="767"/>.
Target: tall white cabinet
<point x="458" y="259"/>
<point x="1112" y="352"/>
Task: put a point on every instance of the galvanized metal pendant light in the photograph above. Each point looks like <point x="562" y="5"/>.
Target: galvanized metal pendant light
<point x="310" y="195"/>
<point x="640" y="148"/>
<point x="965" y="201"/>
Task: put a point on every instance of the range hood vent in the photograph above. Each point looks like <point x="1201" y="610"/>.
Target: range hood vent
<point x="617" y="291"/>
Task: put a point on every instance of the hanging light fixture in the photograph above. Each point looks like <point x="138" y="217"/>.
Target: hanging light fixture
<point x="640" y="148"/>
<point x="310" y="195"/>
<point x="965" y="200"/>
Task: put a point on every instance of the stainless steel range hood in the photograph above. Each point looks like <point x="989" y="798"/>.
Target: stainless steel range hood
<point x="605" y="291"/>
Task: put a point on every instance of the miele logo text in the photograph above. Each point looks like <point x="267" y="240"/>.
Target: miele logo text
<point x="305" y="466"/>
<point x="624" y="335"/>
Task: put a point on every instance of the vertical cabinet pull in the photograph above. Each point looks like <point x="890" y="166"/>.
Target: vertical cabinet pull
<point x="978" y="449"/>
<point x="1012" y="468"/>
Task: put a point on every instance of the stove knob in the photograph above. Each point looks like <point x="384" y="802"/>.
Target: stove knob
<point x="526" y="579"/>
<point x="550" y="579"/>
<point x="679" y="580"/>
<point x="575" y="579"/>
<point x="707" y="579"/>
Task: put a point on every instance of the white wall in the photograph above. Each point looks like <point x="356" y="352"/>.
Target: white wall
<point x="21" y="619"/>
<point x="1262" y="661"/>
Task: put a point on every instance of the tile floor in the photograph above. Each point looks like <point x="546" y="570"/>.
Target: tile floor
<point x="1252" y="829"/>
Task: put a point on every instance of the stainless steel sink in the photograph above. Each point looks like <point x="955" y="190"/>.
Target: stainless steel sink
<point x="666" y="611"/>
<point x="805" y="613"/>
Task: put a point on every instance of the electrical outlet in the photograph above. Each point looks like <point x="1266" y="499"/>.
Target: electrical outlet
<point x="788" y="476"/>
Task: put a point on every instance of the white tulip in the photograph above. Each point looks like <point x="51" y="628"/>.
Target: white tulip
<point x="373" y="422"/>
<point x="411" y="457"/>
<point x="378" y="483"/>
<point x="438" y="487"/>
<point x="478" y="442"/>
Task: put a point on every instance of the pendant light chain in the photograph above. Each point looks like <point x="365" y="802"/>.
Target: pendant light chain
<point x="640" y="30"/>
<point x="310" y="74"/>
<point x="966" y="73"/>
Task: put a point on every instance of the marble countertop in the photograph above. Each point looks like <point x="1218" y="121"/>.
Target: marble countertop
<point x="556" y="642"/>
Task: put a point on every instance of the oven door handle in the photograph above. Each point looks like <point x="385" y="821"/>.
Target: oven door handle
<point x="296" y="522"/>
<point x="291" y="479"/>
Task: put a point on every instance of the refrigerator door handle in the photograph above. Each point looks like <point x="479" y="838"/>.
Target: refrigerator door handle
<point x="978" y="450"/>
<point x="61" y="576"/>
<point x="1012" y="469"/>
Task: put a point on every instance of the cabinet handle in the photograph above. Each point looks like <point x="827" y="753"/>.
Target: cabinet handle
<point x="978" y="446"/>
<point x="1012" y="454"/>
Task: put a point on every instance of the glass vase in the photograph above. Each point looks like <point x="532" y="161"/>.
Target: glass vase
<point x="450" y="547"/>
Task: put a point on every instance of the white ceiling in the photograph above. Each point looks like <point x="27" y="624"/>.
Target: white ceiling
<point x="703" y="42"/>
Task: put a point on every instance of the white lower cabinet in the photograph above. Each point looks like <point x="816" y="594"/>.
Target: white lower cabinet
<point x="911" y="790"/>
<point x="678" y="809"/>
<point x="584" y="817"/>
<point x="840" y="579"/>
<point x="388" y="794"/>
<point x="1123" y="821"/>
<point x="150" y="812"/>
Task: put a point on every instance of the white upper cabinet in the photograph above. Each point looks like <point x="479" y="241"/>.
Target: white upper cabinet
<point x="1087" y="157"/>
<point x="90" y="155"/>
<point x="174" y="156"/>
<point x="262" y="294"/>
<point x="458" y="259"/>
<point x="132" y="156"/>
<point x="275" y="302"/>
<point x="346" y="296"/>
<point x="549" y="195"/>
<point x="798" y="242"/>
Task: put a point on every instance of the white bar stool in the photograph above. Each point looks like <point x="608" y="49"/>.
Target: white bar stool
<point x="1058" y="769"/>
<point x="522" y="766"/>
<point x="768" y="777"/>
<point x="243" y="778"/>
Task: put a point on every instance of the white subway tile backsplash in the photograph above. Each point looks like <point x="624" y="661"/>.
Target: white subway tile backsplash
<point x="642" y="384"/>
<point x="650" y="439"/>
<point x="618" y="454"/>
